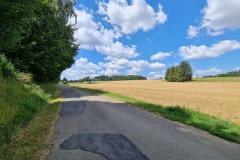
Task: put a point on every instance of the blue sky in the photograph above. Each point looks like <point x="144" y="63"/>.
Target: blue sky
<point x="145" y="37"/>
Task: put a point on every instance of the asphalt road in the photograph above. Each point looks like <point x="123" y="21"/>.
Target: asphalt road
<point x="93" y="127"/>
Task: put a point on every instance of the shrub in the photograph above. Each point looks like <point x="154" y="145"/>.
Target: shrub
<point x="7" y="69"/>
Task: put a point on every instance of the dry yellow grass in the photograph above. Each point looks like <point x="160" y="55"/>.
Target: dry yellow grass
<point x="220" y="99"/>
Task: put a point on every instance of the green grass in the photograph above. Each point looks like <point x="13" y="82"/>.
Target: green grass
<point x="217" y="79"/>
<point x="213" y="125"/>
<point x="26" y="119"/>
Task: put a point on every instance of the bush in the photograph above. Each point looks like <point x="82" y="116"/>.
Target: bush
<point x="7" y="69"/>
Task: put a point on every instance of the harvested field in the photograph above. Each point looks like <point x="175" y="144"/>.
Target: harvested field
<point x="220" y="99"/>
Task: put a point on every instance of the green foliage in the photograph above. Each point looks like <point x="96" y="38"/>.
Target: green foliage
<point x="30" y="142"/>
<point x="173" y="74"/>
<point x="186" y="71"/>
<point x="46" y="46"/>
<point x="65" y="81"/>
<point x="180" y="73"/>
<point x="15" y="17"/>
<point x="7" y="69"/>
<point x="213" y="125"/>
<point x="18" y="105"/>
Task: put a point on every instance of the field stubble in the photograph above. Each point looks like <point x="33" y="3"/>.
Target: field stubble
<point x="219" y="99"/>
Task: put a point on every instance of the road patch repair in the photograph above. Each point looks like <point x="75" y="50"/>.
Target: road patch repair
<point x="111" y="146"/>
<point x="72" y="108"/>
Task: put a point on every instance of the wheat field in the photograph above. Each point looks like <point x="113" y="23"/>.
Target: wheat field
<point x="220" y="99"/>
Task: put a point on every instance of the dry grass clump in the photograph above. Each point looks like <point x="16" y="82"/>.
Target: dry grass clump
<point x="220" y="99"/>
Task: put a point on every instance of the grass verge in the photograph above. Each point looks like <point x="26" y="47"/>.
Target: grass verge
<point x="30" y="138"/>
<point x="213" y="125"/>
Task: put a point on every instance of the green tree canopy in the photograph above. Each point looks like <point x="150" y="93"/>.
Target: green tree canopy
<point x="186" y="71"/>
<point x="15" y="16"/>
<point x="40" y="40"/>
<point x="180" y="73"/>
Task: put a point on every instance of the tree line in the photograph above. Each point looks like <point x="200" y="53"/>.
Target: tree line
<point x="179" y="73"/>
<point x="107" y="78"/>
<point x="228" y="74"/>
<point x="36" y="37"/>
<point x="118" y="77"/>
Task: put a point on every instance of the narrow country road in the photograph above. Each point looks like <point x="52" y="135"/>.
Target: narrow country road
<point x="93" y="127"/>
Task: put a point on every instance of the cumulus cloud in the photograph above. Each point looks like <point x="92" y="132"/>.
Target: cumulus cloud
<point x="83" y="68"/>
<point x="215" y="50"/>
<point x="157" y="75"/>
<point x="132" y="17"/>
<point x="115" y="64"/>
<point x="193" y="31"/>
<point x="157" y="65"/>
<point x="80" y="69"/>
<point x="160" y="56"/>
<point x="90" y="33"/>
<point x="117" y="50"/>
<point x="109" y="72"/>
<point x="219" y="15"/>
<point x="136" y="66"/>
<point x="93" y="35"/>
<point x="211" y="71"/>
<point x="134" y="71"/>
<point x="123" y="63"/>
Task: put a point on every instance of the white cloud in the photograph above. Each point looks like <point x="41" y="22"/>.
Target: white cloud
<point x="215" y="50"/>
<point x="92" y="35"/>
<point x="157" y="75"/>
<point x="134" y="71"/>
<point x="123" y="63"/>
<point x="192" y="31"/>
<point x="109" y="72"/>
<point x="211" y="71"/>
<point x="117" y="50"/>
<point x="80" y="69"/>
<point x="157" y="65"/>
<point x="138" y="63"/>
<point x="160" y="56"/>
<point x="131" y="18"/>
<point x="136" y="66"/>
<point x="115" y="64"/>
<point x="89" y="33"/>
<point x="220" y="15"/>
<point x="237" y="68"/>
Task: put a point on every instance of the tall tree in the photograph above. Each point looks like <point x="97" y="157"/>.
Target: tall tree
<point x="50" y="48"/>
<point x="186" y="71"/>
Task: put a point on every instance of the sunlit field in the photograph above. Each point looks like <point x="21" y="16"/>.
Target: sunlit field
<point x="220" y="99"/>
